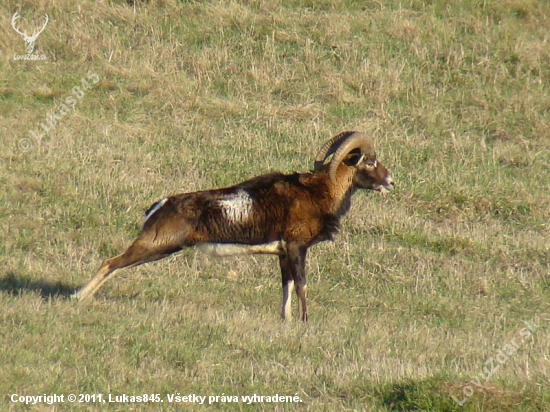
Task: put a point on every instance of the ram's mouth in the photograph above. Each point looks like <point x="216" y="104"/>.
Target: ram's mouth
<point x="386" y="187"/>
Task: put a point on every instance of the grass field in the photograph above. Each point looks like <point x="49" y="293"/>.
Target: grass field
<point x="424" y="293"/>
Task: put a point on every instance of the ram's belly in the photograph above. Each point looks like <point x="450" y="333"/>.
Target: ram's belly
<point x="232" y="249"/>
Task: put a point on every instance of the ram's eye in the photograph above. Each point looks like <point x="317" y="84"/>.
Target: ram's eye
<point x="371" y="165"/>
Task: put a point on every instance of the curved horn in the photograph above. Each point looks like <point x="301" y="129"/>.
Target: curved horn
<point x="328" y="149"/>
<point x="354" y="141"/>
<point x="341" y="145"/>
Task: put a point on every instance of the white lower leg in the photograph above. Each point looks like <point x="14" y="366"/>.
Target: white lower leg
<point x="92" y="286"/>
<point x="288" y="288"/>
<point x="302" y="300"/>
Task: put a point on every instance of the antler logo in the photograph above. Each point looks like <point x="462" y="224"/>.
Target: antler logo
<point x="29" y="40"/>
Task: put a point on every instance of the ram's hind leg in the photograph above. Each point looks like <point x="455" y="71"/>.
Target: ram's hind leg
<point x="297" y="261"/>
<point x="138" y="253"/>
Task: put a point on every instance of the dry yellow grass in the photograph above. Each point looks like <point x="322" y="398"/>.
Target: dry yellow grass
<point x="419" y="290"/>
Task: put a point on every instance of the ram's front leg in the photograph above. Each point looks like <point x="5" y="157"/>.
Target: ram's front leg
<point x="288" y="286"/>
<point x="297" y="260"/>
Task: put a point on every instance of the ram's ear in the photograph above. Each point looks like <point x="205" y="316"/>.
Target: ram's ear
<point x="353" y="159"/>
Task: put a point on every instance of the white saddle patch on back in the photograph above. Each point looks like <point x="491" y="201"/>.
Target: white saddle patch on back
<point x="237" y="207"/>
<point x="232" y="249"/>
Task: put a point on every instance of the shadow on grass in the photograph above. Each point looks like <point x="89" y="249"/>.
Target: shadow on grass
<point x="16" y="285"/>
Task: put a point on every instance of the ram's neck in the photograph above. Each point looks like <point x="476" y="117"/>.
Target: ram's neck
<point x="341" y="191"/>
<point x="342" y="200"/>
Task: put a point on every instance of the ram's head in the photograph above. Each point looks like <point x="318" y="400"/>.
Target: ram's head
<point x="356" y="151"/>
